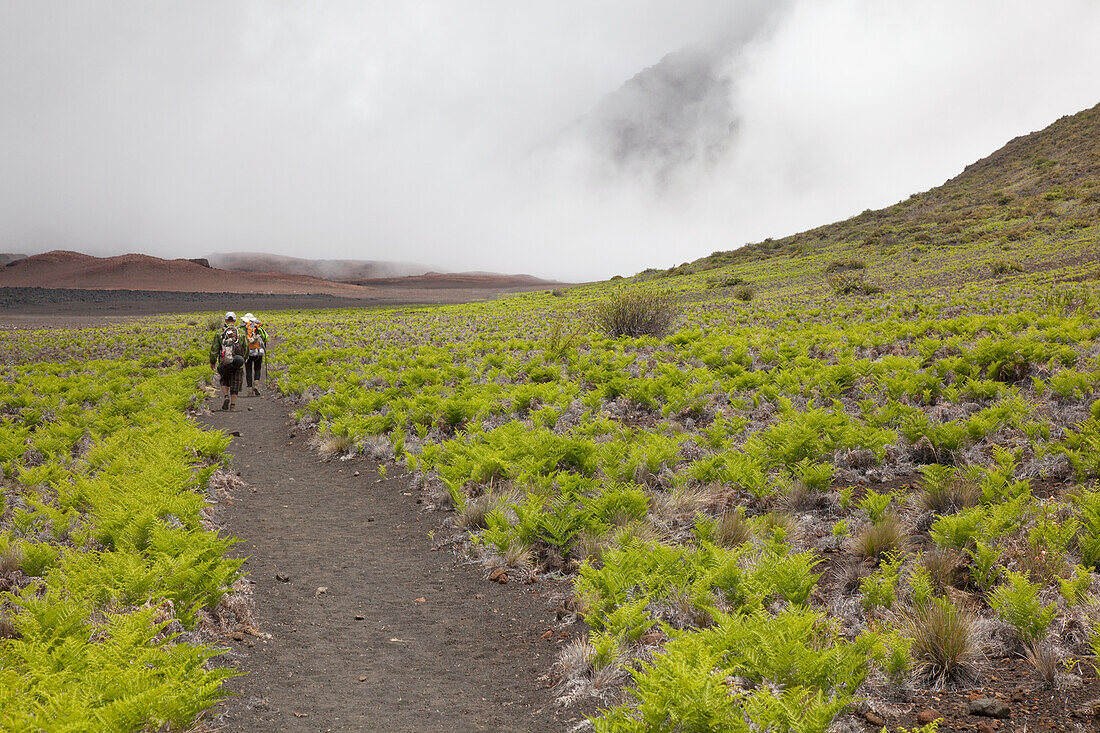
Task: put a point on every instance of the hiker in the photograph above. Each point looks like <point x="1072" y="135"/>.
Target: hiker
<point x="256" y="339"/>
<point x="227" y="354"/>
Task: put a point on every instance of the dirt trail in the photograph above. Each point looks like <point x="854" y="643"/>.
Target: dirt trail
<point x="372" y="629"/>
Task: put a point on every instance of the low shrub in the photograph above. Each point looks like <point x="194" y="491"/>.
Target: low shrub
<point x="985" y="569"/>
<point x="1004" y="267"/>
<point x="853" y="284"/>
<point x="880" y="588"/>
<point x="893" y="657"/>
<point x="727" y="281"/>
<point x="799" y="673"/>
<point x="636" y="313"/>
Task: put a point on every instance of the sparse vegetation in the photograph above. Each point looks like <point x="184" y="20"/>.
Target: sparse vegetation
<point x="687" y="457"/>
<point x="853" y="284"/>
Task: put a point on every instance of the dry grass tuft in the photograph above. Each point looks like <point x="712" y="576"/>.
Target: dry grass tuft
<point x="951" y="496"/>
<point x="947" y="567"/>
<point x="944" y="647"/>
<point x="377" y="448"/>
<point x="7" y="626"/>
<point x="609" y="677"/>
<point x="1042" y="657"/>
<point x="575" y="658"/>
<point x="732" y="529"/>
<point x="331" y="445"/>
<point x="641" y="531"/>
<point x="680" y="503"/>
<point x="582" y="675"/>
<point x="518" y="555"/>
<point x="589" y="546"/>
<point x="779" y="524"/>
<point x="876" y="540"/>
<point x="472" y="515"/>
<point x="11" y="560"/>
<point x="850" y="576"/>
<point x="678" y="610"/>
<point x="798" y="497"/>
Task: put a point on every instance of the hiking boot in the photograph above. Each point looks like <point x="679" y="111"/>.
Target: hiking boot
<point x="255" y="392"/>
<point x="232" y="406"/>
<point x="225" y="404"/>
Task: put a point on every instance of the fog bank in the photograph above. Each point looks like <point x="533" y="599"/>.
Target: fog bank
<point x="567" y="140"/>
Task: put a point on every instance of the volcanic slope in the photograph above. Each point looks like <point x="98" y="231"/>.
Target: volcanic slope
<point x="64" y="269"/>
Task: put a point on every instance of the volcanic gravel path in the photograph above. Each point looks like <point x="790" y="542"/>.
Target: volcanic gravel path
<point x="372" y="626"/>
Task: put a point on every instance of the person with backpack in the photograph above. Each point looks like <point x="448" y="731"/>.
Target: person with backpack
<point x="256" y="342"/>
<point x="227" y="357"/>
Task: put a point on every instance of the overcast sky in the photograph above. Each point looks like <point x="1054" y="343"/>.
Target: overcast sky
<point x="418" y="131"/>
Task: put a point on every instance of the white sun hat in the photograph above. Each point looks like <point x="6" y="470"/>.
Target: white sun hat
<point x="230" y="316"/>
<point x="249" y="317"/>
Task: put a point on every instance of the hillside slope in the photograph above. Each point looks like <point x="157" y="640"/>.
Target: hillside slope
<point x="63" y="269"/>
<point x="1032" y="206"/>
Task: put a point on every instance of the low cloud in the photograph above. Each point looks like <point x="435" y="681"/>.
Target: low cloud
<point x="461" y="134"/>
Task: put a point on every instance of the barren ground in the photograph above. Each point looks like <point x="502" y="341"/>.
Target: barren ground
<point x="64" y="307"/>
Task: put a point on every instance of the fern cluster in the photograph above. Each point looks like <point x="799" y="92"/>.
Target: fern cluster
<point x="106" y="477"/>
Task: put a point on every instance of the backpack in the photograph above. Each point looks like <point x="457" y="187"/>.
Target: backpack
<point x="254" y="333"/>
<point x="232" y="353"/>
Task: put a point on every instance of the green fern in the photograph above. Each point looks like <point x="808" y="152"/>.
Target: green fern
<point x="1017" y="602"/>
